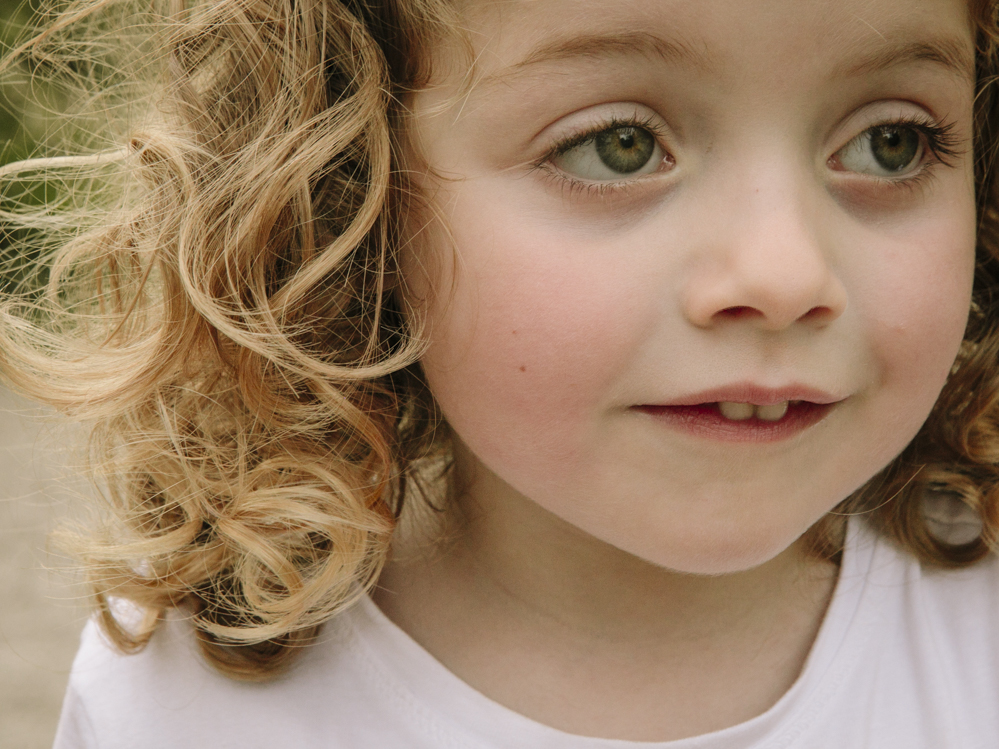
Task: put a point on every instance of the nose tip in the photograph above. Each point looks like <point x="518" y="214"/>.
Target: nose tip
<point x="770" y="271"/>
<point x="772" y="300"/>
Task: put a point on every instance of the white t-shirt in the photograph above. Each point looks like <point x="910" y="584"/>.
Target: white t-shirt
<point x="906" y="658"/>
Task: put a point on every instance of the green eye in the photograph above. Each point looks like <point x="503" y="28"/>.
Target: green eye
<point x="611" y="154"/>
<point x="883" y="151"/>
<point x="894" y="148"/>
<point x="625" y="149"/>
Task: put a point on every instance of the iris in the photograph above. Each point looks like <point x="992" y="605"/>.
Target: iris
<point x="894" y="147"/>
<point x="625" y="149"/>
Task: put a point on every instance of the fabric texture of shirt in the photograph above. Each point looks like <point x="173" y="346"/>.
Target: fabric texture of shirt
<point x="906" y="658"/>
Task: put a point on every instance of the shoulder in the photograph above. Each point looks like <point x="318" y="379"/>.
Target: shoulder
<point x="960" y="604"/>
<point x="908" y="655"/>
<point x="947" y="613"/>
<point x="165" y="693"/>
<point x="961" y="611"/>
<point x="103" y="676"/>
<point x="168" y="696"/>
<point x="941" y="644"/>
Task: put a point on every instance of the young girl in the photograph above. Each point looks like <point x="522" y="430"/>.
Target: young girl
<point x="535" y="373"/>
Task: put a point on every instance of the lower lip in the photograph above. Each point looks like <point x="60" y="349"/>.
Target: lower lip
<point x="706" y="421"/>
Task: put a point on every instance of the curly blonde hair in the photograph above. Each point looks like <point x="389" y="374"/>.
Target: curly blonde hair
<point x="234" y="328"/>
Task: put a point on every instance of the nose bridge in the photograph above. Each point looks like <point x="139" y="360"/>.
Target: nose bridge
<point x="767" y="259"/>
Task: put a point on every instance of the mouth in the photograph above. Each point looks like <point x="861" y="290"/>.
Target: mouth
<point x="759" y="416"/>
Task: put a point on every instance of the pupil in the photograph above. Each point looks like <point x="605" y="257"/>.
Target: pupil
<point x="625" y="149"/>
<point x="894" y="148"/>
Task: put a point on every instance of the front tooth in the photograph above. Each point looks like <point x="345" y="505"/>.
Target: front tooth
<point x="772" y="413"/>
<point x="736" y="411"/>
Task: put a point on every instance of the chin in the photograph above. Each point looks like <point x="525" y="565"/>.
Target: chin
<point x="722" y="551"/>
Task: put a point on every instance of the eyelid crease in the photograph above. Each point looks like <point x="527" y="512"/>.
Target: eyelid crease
<point x="587" y="134"/>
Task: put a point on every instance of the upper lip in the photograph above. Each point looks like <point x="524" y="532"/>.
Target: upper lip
<point x="758" y="395"/>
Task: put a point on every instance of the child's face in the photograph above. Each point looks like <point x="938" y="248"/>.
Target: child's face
<point x="661" y="205"/>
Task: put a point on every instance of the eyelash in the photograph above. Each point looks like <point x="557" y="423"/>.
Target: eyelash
<point x="599" y="189"/>
<point x="940" y="140"/>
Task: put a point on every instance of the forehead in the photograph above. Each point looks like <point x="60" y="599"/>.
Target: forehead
<point x="520" y="39"/>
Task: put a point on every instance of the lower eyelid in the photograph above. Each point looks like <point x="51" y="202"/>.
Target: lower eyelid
<point x="603" y="188"/>
<point x="879" y="193"/>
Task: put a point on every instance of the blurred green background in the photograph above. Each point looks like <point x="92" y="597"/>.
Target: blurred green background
<point x="40" y="611"/>
<point x="21" y="125"/>
<point x="25" y="122"/>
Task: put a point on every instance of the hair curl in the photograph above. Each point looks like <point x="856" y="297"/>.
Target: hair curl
<point x="233" y="333"/>
<point x="234" y="329"/>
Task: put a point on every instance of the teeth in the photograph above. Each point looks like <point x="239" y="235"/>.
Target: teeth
<point x="772" y="413"/>
<point x="736" y="411"/>
<point x="743" y="411"/>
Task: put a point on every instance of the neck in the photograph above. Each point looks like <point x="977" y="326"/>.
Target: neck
<point x="522" y="605"/>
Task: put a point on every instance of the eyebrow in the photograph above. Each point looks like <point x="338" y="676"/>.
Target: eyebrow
<point x="606" y="45"/>
<point x="944" y="51"/>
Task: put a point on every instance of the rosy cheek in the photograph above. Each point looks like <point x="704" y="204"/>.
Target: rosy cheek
<point x="917" y="304"/>
<point x="538" y="329"/>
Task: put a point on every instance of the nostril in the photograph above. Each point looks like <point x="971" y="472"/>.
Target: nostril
<point x="818" y="315"/>
<point x="737" y="313"/>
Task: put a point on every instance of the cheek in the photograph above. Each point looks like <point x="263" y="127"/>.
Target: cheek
<point x="526" y="349"/>
<point x="916" y="298"/>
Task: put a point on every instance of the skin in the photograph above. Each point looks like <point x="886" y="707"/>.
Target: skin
<point x="634" y="580"/>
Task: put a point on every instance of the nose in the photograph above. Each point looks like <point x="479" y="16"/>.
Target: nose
<point x="764" y="264"/>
